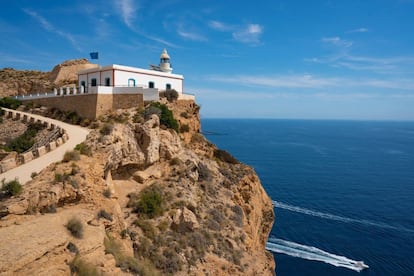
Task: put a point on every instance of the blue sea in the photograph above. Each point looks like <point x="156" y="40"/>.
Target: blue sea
<point x="343" y="191"/>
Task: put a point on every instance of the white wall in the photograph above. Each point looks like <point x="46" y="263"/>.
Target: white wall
<point x="142" y="80"/>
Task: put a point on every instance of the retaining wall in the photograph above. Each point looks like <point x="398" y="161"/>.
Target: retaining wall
<point x="90" y="106"/>
<point x="11" y="163"/>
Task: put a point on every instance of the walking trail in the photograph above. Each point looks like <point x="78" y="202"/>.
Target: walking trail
<point x="23" y="173"/>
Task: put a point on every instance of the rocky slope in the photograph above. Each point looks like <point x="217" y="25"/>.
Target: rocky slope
<point x="20" y="82"/>
<point x="149" y="202"/>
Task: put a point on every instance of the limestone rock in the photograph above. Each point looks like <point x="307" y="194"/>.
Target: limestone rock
<point x="184" y="220"/>
<point x="148" y="138"/>
<point x="124" y="149"/>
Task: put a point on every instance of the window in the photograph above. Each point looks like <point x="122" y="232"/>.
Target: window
<point x="93" y="82"/>
<point x="151" y="84"/>
<point x="131" y="82"/>
<point x="107" y="81"/>
<point x="168" y="86"/>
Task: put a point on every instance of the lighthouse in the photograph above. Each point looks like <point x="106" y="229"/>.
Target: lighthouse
<point x="165" y="64"/>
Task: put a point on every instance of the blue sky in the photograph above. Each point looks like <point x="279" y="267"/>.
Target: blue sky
<point x="267" y="59"/>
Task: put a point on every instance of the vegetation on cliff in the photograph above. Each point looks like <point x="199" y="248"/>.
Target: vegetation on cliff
<point x="169" y="203"/>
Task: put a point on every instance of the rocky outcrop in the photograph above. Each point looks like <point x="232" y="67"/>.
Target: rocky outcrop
<point x="21" y="82"/>
<point x="66" y="72"/>
<point x="149" y="198"/>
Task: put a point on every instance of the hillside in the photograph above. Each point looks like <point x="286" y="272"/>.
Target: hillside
<point x="21" y="82"/>
<point x="138" y="198"/>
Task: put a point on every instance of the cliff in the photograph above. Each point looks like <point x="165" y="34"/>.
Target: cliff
<point x="21" y="82"/>
<point x="140" y="199"/>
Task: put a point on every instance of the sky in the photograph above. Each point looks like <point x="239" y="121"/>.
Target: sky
<point x="291" y="59"/>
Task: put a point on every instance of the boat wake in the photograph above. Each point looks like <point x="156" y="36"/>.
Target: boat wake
<point x="329" y="216"/>
<point x="312" y="253"/>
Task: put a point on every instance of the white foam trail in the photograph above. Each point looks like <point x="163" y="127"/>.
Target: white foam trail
<point x="314" y="213"/>
<point x="313" y="253"/>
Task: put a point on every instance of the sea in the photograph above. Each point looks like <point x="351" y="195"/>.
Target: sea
<point x="343" y="191"/>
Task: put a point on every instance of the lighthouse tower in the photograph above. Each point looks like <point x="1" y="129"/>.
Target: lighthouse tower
<point x="165" y="65"/>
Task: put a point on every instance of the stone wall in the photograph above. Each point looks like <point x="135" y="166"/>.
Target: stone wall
<point x="91" y="106"/>
<point x="13" y="161"/>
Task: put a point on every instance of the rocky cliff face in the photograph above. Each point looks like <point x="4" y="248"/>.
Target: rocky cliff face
<point x="150" y="203"/>
<point x="21" y="82"/>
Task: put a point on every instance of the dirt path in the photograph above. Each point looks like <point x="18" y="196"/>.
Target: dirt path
<point x="76" y="135"/>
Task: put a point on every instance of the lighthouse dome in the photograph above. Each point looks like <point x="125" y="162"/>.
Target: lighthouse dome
<point x="164" y="55"/>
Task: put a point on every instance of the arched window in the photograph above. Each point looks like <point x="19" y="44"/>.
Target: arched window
<point x="151" y="84"/>
<point x="168" y="86"/>
<point x="131" y="82"/>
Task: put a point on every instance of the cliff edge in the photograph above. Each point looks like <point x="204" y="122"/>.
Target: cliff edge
<point x="138" y="198"/>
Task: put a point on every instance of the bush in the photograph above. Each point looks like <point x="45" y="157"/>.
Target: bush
<point x="71" y="156"/>
<point x="170" y="94"/>
<point x="9" y="102"/>
<point x="72" y="248"/>
<point x="75" y="227"/>
<point x="33" y="175"/>
<point x="225" y="156"/>
<point x="150" y="203"/>
<point x="83" y="149"/>
<point x="107" y="193"/>
<point x="80" y="268"/>
<point x="184" y="128"/>
<point x="11" y="188"/>
<point x="184" y="115"/>
<point x="25" y="141"/>
<point x="126" y="263"/>
<point x="72" y="117"/>
<point x="147" y="228"/>
<point x="106" y="129"/>
<point x="166" y="116"/>
<point x="104" y="214"/>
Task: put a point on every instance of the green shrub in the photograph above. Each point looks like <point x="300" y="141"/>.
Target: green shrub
<point x="83" y="149"/>
<point x="107" y="193"/>
<point x="225" y="156"/>
<point x="71" y="156"/>
<point x="184" y="128"/>
<point x="25" y="141"/>
<point x="72" y="117"/>
<point x="106" y="129"/>
<point x="72" y="248"/>
<point x="127" y="263"/>
<point x="147" y="228"/>
<point x="166" y="116"/>
<point x="9" y="102"/>
<point x="184" y="115"/>
<point x="150" y="203"/>
<point x="170" y="94"/>
<point x="81" y="268"/>
<point x="11" y="188"/>
<point x="75" y="227"/>
<point x="33" y="175"/>
<point x="104" y="214"/>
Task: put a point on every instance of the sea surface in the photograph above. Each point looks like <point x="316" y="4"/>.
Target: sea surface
<point x="343" y="191"/>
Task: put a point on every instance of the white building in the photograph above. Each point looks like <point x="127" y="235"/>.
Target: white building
<point x="113" y="79"/>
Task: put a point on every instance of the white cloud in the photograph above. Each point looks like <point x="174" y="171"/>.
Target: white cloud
<point x="50" y="28"/>
<point x="189" y="33"/>
<point x="337" y="41"/>
<point x="220" y="26"/>
<point x="191" y="36"/>
<point x="312" y="82"/>
<point x="359" y="30"/>
<point x="127" y="9"/>
<point x="250" y="34"/>
<point x="279" y="81"/>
